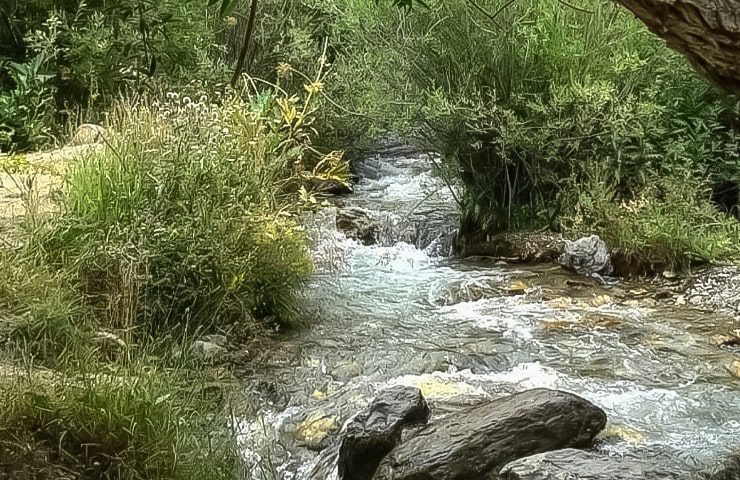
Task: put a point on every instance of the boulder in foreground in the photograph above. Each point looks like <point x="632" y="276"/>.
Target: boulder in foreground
<point x="372" y="433"/>
<point x="480" y="440"/>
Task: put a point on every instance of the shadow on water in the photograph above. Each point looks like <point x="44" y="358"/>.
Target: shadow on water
<point x="403" y="312"/>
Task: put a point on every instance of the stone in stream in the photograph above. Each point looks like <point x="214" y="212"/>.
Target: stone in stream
<point x="358" y="224"/>
<point x="572" y="464"/>
<point x="331" y="186"/>
<point x="518" y="247"/>
<point x="587" y="256"/>
<point x="372" y="433"/>
<point x="479" y="441"/>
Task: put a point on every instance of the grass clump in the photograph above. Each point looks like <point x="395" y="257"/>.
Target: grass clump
<point x="122" y="424"/>
<point x="189" y="216"/>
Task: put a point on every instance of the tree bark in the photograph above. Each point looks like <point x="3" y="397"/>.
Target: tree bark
<point x="245" y="45"/>
<point x="707" y="32"/>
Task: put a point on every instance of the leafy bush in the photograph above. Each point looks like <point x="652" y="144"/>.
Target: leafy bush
<point x="526" y="100"/>
<point x="26" y="108"/>
<point x="670" y="223"/>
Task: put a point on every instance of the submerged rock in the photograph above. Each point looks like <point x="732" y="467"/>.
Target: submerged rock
<point x="727" y="470"/>
<point x="572" y="464"/>
<point x="313" y="432"/>
<point x="726" y="340"/>
<point x="372" y="433"/>
<point x="587" y="256"/>
<point x="734" y="368"/>
<point x="478" y="441"/>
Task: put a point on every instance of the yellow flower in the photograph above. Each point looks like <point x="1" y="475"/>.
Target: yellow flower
<point x="314" y="87"/>
<point x="283" y="69"/>
<point x="230" y="21"/>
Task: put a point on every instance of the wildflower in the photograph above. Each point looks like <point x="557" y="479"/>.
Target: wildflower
<point x="314" y="87"/>
<point x="283" y="69"/>
<point x="230" y="21"/>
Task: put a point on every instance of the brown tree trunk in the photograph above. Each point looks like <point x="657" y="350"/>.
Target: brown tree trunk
<point x="707" y="32"/>
<point x="245" y="45"/>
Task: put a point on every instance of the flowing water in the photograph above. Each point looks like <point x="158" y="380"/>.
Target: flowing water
<point x="403" y="311"/>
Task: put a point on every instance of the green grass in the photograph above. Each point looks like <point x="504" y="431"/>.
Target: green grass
<point x="122" y="423"/>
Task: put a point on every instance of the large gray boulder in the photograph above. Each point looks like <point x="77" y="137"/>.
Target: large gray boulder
<point x="87" y="134"/>
<point x="571" y="464"/>
<point x="587" y="256"/>
<point x="372" y="433"/>
<point x="479" y="441"/>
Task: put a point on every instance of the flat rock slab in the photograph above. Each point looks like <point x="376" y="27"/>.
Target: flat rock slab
<point x="480" y="440"/>
<point x="571" y="464"/>
<point x="372" y="433"/>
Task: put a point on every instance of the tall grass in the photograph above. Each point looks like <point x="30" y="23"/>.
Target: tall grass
<point x="187" y="217"/>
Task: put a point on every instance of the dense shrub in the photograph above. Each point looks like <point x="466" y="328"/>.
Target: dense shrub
<point x="83" y="53"/>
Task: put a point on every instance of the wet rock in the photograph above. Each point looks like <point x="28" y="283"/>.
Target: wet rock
<point x="88" y="133"/>
<point x="571" y="464"/>
<point x="587" y="256"/>
<point x="357" y="223"/>
<point x="331" y="186"/>
<point x="520" y="247"/>
<point x="478" y="441"/>
<point x="372" y="433"/>
<point x="314" y="432"/>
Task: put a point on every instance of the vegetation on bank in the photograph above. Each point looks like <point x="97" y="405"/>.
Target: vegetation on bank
<point x="567" y="116"/>
<point x="186" y="222"/>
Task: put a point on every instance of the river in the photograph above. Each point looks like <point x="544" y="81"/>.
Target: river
<point x="402" y="311"/>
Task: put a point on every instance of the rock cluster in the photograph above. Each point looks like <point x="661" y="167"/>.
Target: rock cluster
<point x="537" y="434"/>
